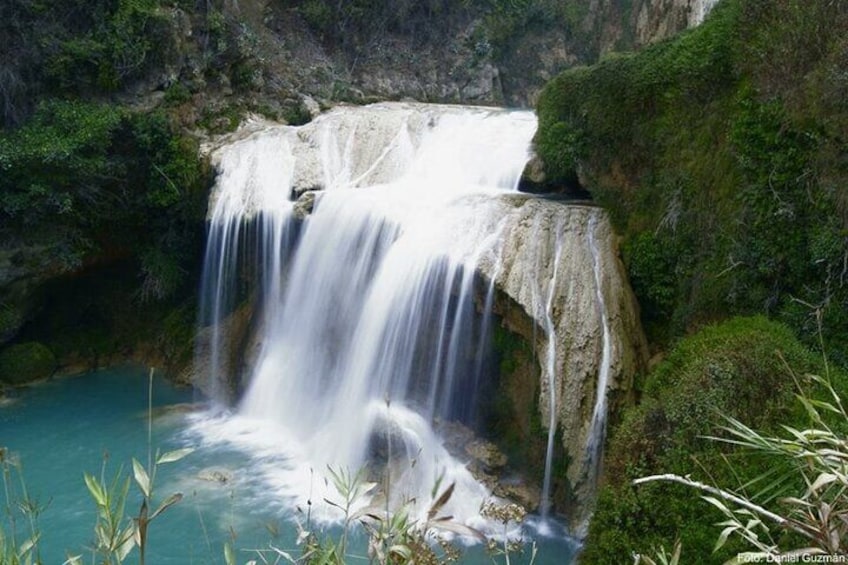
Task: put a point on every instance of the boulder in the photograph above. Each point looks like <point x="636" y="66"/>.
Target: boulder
<point x="26" y="362"/>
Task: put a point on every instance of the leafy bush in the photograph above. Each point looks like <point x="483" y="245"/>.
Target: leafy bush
<point x="117" y="46"/>
<point x="736" y="369"/>
<point x="115" y="180"/>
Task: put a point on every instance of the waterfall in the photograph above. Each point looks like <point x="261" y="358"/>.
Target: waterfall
<point x="370" y="315"/>
<point x="551" y="371"/>
<point x="698" y="11"/>
<point x="368" y="330"/>
<point x="597" y="427"/>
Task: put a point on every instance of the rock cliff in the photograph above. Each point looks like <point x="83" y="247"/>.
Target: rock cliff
<point x="560" y="265"/>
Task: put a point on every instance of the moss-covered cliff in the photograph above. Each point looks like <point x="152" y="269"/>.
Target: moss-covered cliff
<point x="721" y="155"/>
<point x="102" y="215"/>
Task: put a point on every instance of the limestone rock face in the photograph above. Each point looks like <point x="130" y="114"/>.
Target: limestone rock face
<point x="658" y="19"/>
<point x="591" y="314"/>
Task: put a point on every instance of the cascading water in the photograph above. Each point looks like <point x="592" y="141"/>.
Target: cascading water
<point x="550" y="369"/>
<point x="698" y="11"/>
<point x="374" y="333"/>
<point x="597" y="427"/>
<point x="365" y="313"/>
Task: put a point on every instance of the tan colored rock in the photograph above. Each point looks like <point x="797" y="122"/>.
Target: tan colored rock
<point x="486" y="454"/>
<point x="575" y="247"/>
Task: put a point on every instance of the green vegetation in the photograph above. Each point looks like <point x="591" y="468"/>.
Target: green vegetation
<point x="101" y="48"/>
<point x="720" y="155"/>
<point x="738" y="369"/>
<point x="26" y="362"/>
<point x="105" y="180"/>
<point x="810" y="516"/>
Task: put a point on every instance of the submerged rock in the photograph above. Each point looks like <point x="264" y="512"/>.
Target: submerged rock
<point x="216" y="475"/>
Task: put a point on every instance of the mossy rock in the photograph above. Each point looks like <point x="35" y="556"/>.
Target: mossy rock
<point x="26" y="362"/>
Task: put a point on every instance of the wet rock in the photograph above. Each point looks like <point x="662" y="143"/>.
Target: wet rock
<point x="217" y="475"/>
<point x="486" y="454"/>
<point x="576" y="247"/>
<point x="304" y="204"/>
<point x="529" y="496"/>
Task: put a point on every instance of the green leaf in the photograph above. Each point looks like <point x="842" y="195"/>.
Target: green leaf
<point x="95" y="489"/>
<point x="127" y="540"/>
<point x="170" y="501"/>
<point x="27" y="546"/>
<point x="141" y="478"/>
<point x="172" y="456"/>
<point x="402" y="551"/>
<point x="822" y="480"/>
<point x="722" y="539"/>
<point x="229" y="555"/>
<point x="441" y="501"/>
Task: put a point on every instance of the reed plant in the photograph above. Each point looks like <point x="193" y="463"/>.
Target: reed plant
<point x="809" y="515"/>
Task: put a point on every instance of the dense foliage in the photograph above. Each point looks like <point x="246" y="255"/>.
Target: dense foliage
<point x="737" y="369"/>
<point x="100" y="180"/>
<point x="721" y="155"/>
<point x="105" y="48"/>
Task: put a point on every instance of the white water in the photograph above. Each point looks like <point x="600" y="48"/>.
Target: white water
<point x="550" y="370"/>
<point x="365" y="325"/>
<point x="699" y="10"/>
<point x="597" y="429"/>
<point x="368" y="331"/>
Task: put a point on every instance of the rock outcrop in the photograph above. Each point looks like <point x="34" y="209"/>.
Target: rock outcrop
<point x="560" y="267"/>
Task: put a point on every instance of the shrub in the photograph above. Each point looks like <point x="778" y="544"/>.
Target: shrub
<point x="106" y="180"/>
<point x="727" y="370"/>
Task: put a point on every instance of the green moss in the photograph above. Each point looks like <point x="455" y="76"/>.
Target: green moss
<point x="716" y="158"/>
<point x="514" y="420"/>
<point x="26" y="362"/>
<point x="735" y="369"/>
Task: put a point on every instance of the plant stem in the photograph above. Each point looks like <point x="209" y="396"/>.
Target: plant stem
<point x="779" y="520"/>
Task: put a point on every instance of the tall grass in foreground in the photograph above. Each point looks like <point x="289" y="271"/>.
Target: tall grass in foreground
<point x="19" y="544"/>
<point x="811" y="519"/>
<point x="394" y="536"/>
